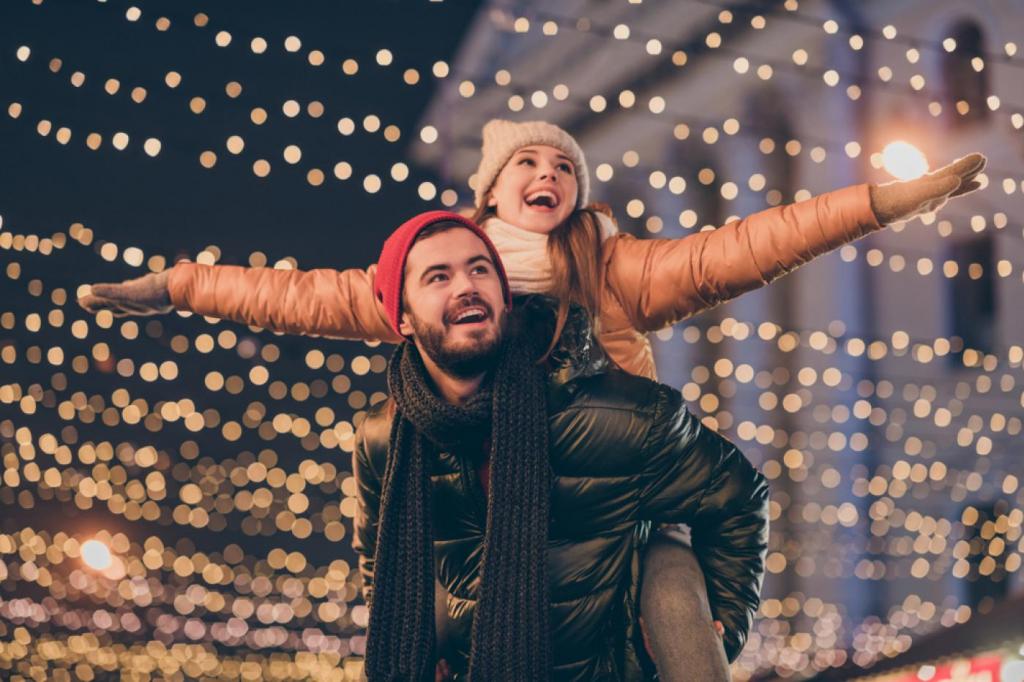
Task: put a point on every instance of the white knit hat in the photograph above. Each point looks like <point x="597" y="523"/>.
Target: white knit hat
<point x="501" y="140"/>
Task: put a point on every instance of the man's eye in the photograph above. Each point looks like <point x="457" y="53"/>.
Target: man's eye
<point x="437" y="278"/>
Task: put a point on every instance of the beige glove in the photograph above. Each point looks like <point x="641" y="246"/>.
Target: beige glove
<point x="897" y="201"/>
<point x="146" y="295"/>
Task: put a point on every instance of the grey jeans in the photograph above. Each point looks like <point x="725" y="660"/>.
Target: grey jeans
<point x="674" y="608"/>
<point x="676" y="613"/>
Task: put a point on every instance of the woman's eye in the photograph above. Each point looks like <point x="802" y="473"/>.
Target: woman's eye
<point x="526" y="161"/>
<point x="565" y="168"/>
<point x="480" y="270"/>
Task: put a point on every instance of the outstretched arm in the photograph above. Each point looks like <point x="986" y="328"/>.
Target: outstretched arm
<point x="323" y="302"/>
<point x="695" y="476"/>
<point x="659" y="282"/>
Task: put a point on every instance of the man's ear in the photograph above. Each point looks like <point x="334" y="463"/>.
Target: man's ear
<point x="404" y="325"/>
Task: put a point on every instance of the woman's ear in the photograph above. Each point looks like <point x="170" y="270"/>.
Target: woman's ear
<point x="492" y="201"/>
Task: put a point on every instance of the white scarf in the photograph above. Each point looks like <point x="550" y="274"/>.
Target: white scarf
<point x="525" y="254"/>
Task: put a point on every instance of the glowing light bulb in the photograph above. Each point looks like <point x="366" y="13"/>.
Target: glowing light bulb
<point x="904" y="161"/>
<point x="96" y="555"/>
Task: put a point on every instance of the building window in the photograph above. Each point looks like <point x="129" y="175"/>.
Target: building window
<point x="964" y="75"/>
<point x="972" y="294"/>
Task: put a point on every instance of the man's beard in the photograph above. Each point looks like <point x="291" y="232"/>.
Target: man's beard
<point x="470" y="359"/>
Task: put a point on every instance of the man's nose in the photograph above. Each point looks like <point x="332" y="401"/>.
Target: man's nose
<point x="463" y="284"/>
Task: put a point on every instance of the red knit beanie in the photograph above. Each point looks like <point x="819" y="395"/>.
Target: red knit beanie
<point x="391" y="265"/>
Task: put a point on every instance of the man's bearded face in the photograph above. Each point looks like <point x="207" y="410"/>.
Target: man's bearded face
<point x="462" y="355"/>
<point x="454" y="302"/>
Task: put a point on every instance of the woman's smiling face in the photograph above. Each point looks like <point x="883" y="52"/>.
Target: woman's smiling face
<point x="536" y="190"/>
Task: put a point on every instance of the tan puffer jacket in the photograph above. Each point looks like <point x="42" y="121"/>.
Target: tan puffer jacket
<point x="648" y="284"/>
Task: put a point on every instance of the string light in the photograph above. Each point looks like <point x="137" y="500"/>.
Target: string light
<point x="904" y="161"/>
<point x="258" y="45"/>
<point x="96" y="554"/>
<point x="597" y="102"/>
<point x="539" y="97"/>
<point x="196" y="104"/>
<point x="152" y="146"/>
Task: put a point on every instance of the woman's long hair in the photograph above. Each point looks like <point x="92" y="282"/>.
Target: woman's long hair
<point x="575" y="251"/>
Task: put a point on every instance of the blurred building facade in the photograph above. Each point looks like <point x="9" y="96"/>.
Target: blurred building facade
<point x="880" y="386"/>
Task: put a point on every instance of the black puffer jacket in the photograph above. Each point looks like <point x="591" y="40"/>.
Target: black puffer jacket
<point x="625" y="452"/>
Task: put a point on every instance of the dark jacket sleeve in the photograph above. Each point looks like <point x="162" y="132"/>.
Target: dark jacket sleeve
<point x="695" y="476"/>
<point x="365" y="524"/>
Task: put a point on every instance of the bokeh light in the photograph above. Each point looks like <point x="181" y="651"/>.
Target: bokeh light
<point x="96" y="555"/>
<point x="904" y="161"/>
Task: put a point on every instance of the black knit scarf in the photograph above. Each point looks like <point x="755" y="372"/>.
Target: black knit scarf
<point x="510" y="637"/>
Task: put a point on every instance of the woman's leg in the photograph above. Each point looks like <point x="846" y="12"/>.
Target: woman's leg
<point x="676" y="614"/>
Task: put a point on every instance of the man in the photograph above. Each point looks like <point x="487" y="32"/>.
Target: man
<point x="528" y="498"/>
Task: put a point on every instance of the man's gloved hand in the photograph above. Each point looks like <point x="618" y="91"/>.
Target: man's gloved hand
<point x="897" y="201"/>
<point x="146" y="295"/>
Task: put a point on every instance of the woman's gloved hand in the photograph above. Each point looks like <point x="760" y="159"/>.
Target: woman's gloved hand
<point x="898" y="201"/>
<point x="146" y="295"/>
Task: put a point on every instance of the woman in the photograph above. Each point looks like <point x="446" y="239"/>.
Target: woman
<point x="532" y="199"/>
<point x="532" y="194"/>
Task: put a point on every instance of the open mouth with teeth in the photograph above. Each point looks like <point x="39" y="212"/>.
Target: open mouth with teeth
<point x="470" y="315"/>
<point x="542" y="199"/>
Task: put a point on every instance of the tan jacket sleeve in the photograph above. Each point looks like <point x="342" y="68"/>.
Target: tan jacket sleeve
<point x="324" y="302"/>
<point x="659" y="281"/>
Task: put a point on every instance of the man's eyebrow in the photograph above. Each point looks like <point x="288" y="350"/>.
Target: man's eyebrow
<point x="439" y="267"/>
<point x="445" y="267"/>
